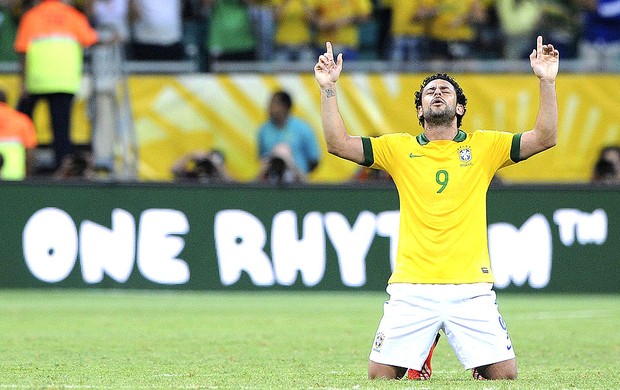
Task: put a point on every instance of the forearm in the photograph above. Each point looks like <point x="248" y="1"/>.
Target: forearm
<point x="334" y="129"/>
<point x="546" y="125"/>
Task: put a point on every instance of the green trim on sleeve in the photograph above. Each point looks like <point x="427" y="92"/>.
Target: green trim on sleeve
<point x="515" y="149"/>
<point x="369" y="158"/>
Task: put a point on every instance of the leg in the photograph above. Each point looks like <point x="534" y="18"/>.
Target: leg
<point x="378" y="371"/>
<point x="500" y="370"/>
<point x="61" y="107"/>
<point x="478" y="334"/>
<point x="26" y="104"/>
<point x="407" y="333"/>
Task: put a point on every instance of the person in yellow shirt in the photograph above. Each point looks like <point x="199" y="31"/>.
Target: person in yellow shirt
<point x="338" y="21"/>
<point x="293" y="38"/>
<point x="410" y="24"/>
<point x="442" y="279"/>
<point x="452" y="30"/>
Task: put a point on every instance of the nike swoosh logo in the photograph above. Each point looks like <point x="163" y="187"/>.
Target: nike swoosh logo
<point x="509" y="347"/>
<point x="411" y="155"/>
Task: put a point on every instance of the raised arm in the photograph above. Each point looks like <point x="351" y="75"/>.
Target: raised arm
<point x="545" y="63"/>
<point x="338" y="140"/>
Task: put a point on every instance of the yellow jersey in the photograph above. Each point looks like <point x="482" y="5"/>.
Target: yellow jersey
<point x="292" y="25"/>
<point x="452" y="21"/>
<point x="332" y="10"/>
<point x="442" y="187"/>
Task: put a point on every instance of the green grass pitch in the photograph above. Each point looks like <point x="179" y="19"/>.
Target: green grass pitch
<point x="104" y="339"/>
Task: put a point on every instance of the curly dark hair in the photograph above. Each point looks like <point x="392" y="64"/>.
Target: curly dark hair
<point x="460" y="95"/>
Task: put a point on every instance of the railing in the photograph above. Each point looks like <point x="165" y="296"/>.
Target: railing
<point x="454" y="66"/>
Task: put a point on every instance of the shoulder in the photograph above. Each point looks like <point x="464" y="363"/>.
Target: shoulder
<point x="300" y="123"/>
<point x="395" y="138"/>
<point x="265" y="126"/>
<point x="481" y="135"/>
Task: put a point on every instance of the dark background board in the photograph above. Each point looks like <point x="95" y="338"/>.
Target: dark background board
<point x="165" y="236"/>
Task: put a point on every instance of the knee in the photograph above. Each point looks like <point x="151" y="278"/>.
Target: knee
<point x="506" y="370"/>
<point x="382" y="371"/>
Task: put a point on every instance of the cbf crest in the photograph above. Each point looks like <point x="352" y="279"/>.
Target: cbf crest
<point x="465" y="155"/>
<point x="379" y="339"/>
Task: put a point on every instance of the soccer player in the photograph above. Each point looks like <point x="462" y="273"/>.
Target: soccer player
<point x="442" y="278"/>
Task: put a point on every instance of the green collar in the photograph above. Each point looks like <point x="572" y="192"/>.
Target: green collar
<point x="459" y="137"/>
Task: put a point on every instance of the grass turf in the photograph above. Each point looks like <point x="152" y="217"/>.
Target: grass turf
<point x="91" y="339"/>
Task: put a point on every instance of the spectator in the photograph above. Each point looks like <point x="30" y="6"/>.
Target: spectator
<point x="488" y="42"/>
<point x="262" y="14"/>
<point x="230" y="36"/>
<point x="294" y="21"/>
<point x="16" y="126"/>
<point x="338" y="22"/>
<point x="204" y="167"/>
<point x="409" y="30"/>
<point x="287" y="146"/>
<point x="9" y="17"/>
<point x="452" y="29"/>
<point x="600" y="44"/>
<point x="384" y="15"/>
<point x="561" y="23"/>
<point x="157" y="27"/>
<point x="51" y="68"/>
<point x="77" y="165"/>
<point x="518" y="21"/>
<point x="112" y="15"/>
<point x="607" y="167"/>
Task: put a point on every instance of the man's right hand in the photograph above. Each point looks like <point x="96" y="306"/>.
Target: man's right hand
<point x="326" y="70"/>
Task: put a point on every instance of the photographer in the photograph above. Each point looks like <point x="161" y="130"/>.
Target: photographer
<point x="204" y="167"/>
<point x="287" y="146"/>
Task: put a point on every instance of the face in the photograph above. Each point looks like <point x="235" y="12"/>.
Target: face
<point x="277" y="110"/>
<point x="439" y="105"/>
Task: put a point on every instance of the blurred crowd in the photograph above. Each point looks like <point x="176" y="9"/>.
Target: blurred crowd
<point x="389" y="30"/>
<point x="214" y="31"/>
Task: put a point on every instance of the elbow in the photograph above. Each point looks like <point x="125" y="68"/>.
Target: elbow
<point x="332" y="149"/>
<point x="335" y="150"/>
<point x="550" y="142"/>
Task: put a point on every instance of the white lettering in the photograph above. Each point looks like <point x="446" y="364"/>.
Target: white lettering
<point x="239" y="241"/>
<point x="586" y="228"/>
<point x="158" y="246"/>
<point x="521" y="255"/>
<point x="105" y="251"/>
<point x="351" y="244"/>
<point x="387" y="226"/>
<point x="50" y="244"/>
<point x="291" y="255"/>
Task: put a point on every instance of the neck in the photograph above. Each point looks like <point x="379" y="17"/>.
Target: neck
<point x="436" y="133"/>
<point x="280" y="122"/>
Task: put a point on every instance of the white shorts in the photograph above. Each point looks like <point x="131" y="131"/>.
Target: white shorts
<point x="467" y="314"/>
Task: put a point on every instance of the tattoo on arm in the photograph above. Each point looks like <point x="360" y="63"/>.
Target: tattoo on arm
<point x="330" y="92"/>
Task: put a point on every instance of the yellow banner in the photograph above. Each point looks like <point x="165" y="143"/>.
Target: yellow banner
<point x="174" y="115"/>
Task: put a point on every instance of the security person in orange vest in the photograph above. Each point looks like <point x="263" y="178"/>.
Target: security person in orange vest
<point x="50" y="40"/>
<point x="18" y="128"/>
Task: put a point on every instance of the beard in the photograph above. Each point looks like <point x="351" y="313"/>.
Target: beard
<point x="440" y="116"/>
